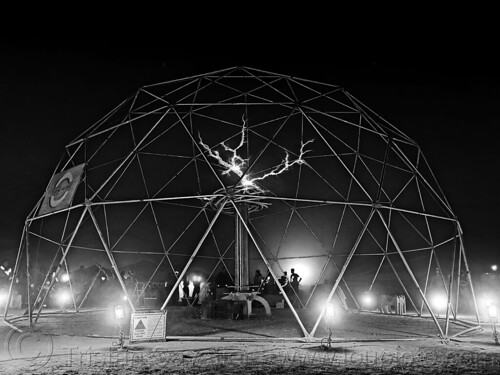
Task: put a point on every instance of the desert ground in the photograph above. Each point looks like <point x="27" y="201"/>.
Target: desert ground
<point x="88" y="342"/>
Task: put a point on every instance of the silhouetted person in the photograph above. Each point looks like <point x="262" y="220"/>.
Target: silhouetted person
<point x="196" y="288"/>
<point x="268" y="285"/>
<point x="295" y="279"/>
<point x="258" y="278"/>
<point x="185" y="288"/>
<point x="284" y="282"/>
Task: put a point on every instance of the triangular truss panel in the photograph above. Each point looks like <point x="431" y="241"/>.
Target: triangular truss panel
<point x="243" y="169"/>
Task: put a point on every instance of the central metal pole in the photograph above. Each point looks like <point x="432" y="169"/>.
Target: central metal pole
<point x="241" y="247"/>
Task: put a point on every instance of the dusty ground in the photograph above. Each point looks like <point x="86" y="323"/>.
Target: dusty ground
<point x="360" y="343"/>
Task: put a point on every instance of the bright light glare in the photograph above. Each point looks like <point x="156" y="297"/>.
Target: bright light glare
<point x="63" y="297"/>
<point x="64" y="277"/>
<point x="306" y="271"/>
<point x="103" y="278"/>
<point x="494" y="267"/>
<point x="119" y="313"/>
<point x="124" y="298"/>
<point x="330" y="312"/>
<point x="196" y="278"/>
<point x="367" y="300"/>
<point x="3" y="298"/>
<point x="245" y="182"/>
<point x="492" y="311"/>
<point x="486" y="301"/>
<point x="236" y="169"/>
<point x="439" y="302"/>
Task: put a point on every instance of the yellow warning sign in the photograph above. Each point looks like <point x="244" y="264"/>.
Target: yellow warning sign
<point x="148" y="326"/>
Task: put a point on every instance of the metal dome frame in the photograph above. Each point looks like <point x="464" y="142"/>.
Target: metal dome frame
<point x="305" y="146"/>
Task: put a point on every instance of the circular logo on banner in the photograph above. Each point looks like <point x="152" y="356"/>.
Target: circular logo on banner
<point x="60" y="190"/>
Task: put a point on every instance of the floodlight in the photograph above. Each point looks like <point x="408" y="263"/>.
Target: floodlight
<point x="439" y="302"/>
<point x="329" y="320"/>
<point x="486" y="300"/>
<point x="119" y="319"/>
<point x="64" y="277"/>
<point x="330" y="312"/>
<point x="63" y="297"/>
<point x="367" y="300"/>
<point x="492" y="312"/>
<point x="119" y="313"/>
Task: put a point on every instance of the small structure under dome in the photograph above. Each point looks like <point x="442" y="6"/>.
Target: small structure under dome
<point x="242" y="169"/>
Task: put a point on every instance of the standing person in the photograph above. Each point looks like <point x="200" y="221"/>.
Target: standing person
<point x="165" y="290"/>
<point x="295" y="279"/>
<point x="258" y="279"/>
<point x="284" y="282"/>
<point x="185" y="288"/>
<point x="196" y="288"/>
<point x="268" y="286"/>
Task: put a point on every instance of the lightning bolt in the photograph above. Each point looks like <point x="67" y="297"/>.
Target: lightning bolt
<point x="236" y="163"/>
<point x="285" y="164"/>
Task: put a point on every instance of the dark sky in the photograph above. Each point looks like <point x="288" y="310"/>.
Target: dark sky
<point x="51" y="91"/>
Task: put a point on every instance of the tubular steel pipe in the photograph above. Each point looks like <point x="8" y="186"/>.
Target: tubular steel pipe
<point x="411" y="274"/>
<point x="181" y="276"/>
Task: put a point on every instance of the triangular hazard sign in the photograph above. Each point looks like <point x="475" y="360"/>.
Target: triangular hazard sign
<point x="140" y="325"/>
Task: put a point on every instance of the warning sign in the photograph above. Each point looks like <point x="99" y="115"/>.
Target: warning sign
<point x="140" y="325"/>
<point x="148" y="326"/>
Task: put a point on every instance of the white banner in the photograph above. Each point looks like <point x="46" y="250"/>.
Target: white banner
<point x="61" y="189"/>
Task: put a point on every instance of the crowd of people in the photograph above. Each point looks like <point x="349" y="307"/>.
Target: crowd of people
<point x="96" y="284"/>
<point x="267" y="285"/>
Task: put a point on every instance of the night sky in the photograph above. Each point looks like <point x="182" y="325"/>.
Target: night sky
<point x="52" y="91"/>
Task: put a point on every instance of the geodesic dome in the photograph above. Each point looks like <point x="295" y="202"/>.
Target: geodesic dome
<point x="299" y="174"/>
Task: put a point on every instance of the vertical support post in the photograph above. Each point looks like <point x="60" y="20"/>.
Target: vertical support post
<point x="28" y="278"/>
<point x="450" y="287"/>
<point x="462" y="250"/>
<point x="459" y="272"/>
<point x="241" y="247"/>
